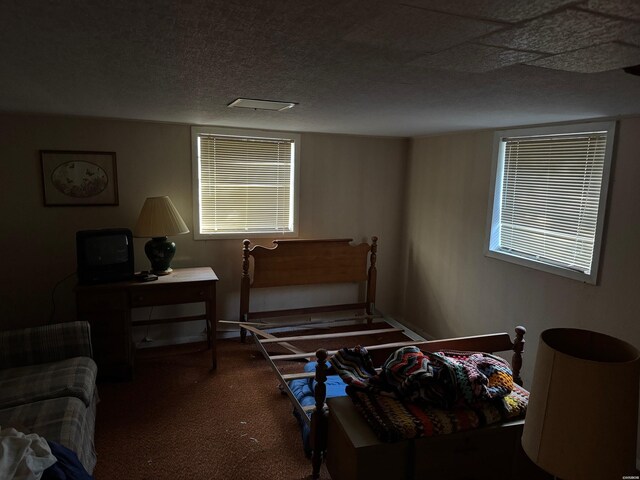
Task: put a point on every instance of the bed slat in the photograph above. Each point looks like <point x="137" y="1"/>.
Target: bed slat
<point x="296" y="376"/>
<point x="332" y="335"/>
<point x="297" y="356"/>
<point x="311" y="322"/>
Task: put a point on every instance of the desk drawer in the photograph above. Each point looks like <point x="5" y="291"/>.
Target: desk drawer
<point x="97" y="301"/>
<point x="171" y="295"/>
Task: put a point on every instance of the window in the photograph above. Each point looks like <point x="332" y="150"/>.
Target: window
<point x="548" y="203"/>
<point x="245" y="182"/>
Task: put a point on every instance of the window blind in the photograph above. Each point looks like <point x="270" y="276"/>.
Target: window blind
<point x="550" y="197"/>
<point x="245" y="184"/>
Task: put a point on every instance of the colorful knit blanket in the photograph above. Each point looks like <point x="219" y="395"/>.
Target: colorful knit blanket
<point x="421" y="393"/>
<point x="392" y="419"/>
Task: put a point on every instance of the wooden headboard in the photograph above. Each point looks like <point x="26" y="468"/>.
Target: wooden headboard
<point x="307" y="262"/>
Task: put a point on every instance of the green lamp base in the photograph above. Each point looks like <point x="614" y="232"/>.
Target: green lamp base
<point x="160" y="252"/>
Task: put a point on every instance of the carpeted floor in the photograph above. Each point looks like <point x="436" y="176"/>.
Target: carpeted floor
<point x="177" y="420"/>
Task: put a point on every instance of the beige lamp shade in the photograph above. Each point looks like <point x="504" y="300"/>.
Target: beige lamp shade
<point x="582" y="416"/>
<point x="159" y="218"/>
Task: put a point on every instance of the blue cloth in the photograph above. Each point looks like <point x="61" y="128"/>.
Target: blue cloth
<point x="68" y="467"/>
<point x="303" y="388"/>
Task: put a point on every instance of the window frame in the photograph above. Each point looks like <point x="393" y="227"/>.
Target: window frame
<point x="196" y="132"/>
<point x="495" y="197"/>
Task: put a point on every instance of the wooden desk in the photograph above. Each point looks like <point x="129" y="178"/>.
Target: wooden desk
<point x="107" y="307"/>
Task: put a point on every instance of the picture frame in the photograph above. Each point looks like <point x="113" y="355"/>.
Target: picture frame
<point x="79" y="178"/>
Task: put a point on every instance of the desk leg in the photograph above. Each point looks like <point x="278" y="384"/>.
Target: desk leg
<point x="208" y="322"/>
<point x="212" y="327"/>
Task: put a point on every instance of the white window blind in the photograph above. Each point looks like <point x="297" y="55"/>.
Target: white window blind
<point x="246" y="184"/>
<point x="549" y="198"/>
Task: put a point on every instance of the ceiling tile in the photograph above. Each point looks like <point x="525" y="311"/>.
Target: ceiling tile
<point x="629" y="9"/>
<point x="511" y="11"/>
<point x="416" y="30"/>
<point x="184" y="61"/>
<point x="474" y="58"/>
<point x="600" y="58"/>
<point x="560" y="32"/>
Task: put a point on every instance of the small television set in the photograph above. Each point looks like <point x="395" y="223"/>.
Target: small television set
<point x="104" y="255"/>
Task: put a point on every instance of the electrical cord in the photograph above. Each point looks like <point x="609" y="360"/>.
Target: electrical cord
<point x="53" y="296"/>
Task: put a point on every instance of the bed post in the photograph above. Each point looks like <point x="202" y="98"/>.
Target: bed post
<point x="318" y="417"/>
<point x="371" y="279"/>
<point x="518" y="348"/>
<point x="245" y="286"/>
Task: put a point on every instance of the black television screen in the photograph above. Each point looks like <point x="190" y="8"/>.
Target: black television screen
<point x="104" y="255"/>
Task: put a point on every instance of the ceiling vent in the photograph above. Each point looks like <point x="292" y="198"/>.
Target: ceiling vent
<point x="255" y="104"/>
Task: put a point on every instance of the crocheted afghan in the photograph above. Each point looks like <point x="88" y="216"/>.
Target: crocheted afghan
<point x="420" y="394"/>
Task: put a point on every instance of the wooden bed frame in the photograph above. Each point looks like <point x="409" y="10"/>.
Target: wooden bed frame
<point x="321" y="262"/>
<point x="307" y="262"/>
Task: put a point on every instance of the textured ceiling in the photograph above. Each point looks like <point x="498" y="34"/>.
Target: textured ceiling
<point x="353" y="66"/>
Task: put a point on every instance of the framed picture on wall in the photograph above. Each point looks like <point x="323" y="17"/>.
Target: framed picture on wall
<point x="79" y="178"/>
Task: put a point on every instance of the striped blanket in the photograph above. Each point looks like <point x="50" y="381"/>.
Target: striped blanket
<point x="421" y="393"/>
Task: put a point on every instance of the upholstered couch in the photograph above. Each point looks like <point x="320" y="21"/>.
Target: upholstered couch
<point x="48" y="385"/>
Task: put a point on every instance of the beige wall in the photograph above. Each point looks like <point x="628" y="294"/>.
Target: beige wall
<point x="441" y="282"/>
<point x="451" y="288"/>
<point x="351" y="187"/>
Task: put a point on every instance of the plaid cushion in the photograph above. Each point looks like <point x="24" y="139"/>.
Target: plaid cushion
<point x="65" y="420"/>
<point x="75" y="377"/>
<point x="44" y="344"/>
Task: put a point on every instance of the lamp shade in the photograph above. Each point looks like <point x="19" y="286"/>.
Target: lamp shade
<point x="159" y="218"/>
<point x="583" y="411"/>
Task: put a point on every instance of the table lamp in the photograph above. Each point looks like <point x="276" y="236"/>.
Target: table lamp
<point x="582" y="416"/>
<point x="159" y="219"/>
